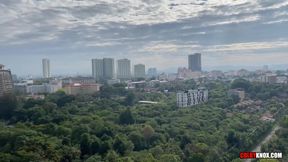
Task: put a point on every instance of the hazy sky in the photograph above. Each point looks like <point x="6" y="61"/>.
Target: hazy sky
<point x="158" y="33"/>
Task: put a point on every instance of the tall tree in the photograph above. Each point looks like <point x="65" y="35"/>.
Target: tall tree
<point x="8" y="104"/>
<point x="126" y="117"/>
<point x="130" y="99"/>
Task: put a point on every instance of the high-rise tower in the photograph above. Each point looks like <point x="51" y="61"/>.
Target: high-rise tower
<point x="103" y="68"/>
<point x="97" y="69"/>
<point x="46" y="68"/>
<point x="139" y="71"/>
<point x="109" y="68"/>
<point x="123" y="69"/>
<point x="194" y="62"/>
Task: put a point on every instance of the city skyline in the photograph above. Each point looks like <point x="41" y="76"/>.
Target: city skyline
<point x="227" y="33"/>
<point x="92" y="72"/>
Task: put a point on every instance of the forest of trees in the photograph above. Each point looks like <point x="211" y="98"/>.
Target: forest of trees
<point x="279" y="143"/>
<point x="112" y="126"/>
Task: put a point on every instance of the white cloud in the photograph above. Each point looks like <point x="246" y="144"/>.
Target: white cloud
<point x="277" y="5"/>
<point x="280" y="14"/>
<point x="164" y="47"/>
<point x="235" y="20"/>
<point x="168" y="47"/>
<point x="149" y="28"/>
<point x="162" y="62"/>
<point x="253" y="59"/>
<point x="19" y="17"/>
<point x="276" y="21"/>
<point x="247" y="46"/>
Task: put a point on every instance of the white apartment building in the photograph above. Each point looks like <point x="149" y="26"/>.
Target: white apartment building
<point x="109" y="68"/>
<point x="103" y="68"/>
<point x="123" y="69"/>
<point x="51" y="87"/>
<point x="97" y="69"/>
<point x="192" y="97"/>
<point x="46" y="68"/>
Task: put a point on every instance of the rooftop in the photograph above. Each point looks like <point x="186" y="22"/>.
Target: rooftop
<point x="148" y="102"/>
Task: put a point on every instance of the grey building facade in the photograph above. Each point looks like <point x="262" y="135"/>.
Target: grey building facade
<point x="46" y="68"/>
<point x="124" y="69"/>
<point x="139" y="71"/>
<point x="103" y="69"/>
<point x="194" y="62"/>
<point x="97" y="69"/>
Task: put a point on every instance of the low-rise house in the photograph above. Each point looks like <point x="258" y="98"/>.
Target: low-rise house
<point x="81" y="80"/>
<point x="77" y="88"/>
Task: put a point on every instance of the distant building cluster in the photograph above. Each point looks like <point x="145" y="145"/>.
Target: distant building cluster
<point x="135" y="76"/>
<point x="71" y="86"/>
<point x="104" y="70"/>
<point x="29" y="87"/>
<point x="6" y="83"/>
<point x="184" y="73"/>
<point x="270" y="78"/>
<point x="192" y="97"/>
<point x="81" y="80"/>
<point x="78" y="88"/>
<point x="263" y="75"/>
<point x="80" y="85"/>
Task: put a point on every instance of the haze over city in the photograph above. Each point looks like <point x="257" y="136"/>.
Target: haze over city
<point x="161" y="33"/>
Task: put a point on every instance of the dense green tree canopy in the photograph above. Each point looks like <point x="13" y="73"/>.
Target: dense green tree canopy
<point x="112" y="126"/>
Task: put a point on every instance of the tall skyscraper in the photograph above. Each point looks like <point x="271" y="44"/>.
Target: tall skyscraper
<point x="6" y="84"/>
<point x="123" y="69"/>
<point x="108" y="68"/>
<point x="194" y="62"/>
<point x="97" y="69"/>
<point x="46" y="68"/>
<point x="103" y="68"/>
<point x="139" y="71"/>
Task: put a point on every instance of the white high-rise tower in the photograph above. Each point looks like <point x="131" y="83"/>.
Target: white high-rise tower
<point x="46" y="68"/>
<point x="97" y="69"/>
<point x="123" y="69"/>
<point x="109" y="69"/>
